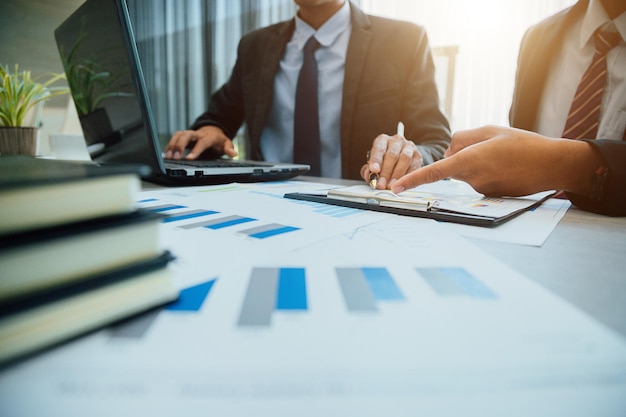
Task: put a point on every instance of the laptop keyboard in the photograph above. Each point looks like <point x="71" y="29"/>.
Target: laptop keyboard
<point x="215" y="163"/>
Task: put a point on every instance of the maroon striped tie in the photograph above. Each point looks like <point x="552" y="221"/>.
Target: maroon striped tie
<point x="584" y="115"/>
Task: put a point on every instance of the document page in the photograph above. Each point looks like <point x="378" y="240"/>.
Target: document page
<point x="294" y="308"/>
<point x="452" y="195"/>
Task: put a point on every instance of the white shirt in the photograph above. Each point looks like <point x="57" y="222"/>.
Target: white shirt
<point x="277" y="135"/>
<point x="568" y="69"/>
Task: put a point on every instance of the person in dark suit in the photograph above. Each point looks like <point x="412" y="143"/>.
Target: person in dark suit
<point x="553" y="56"/>
<point x="502" y="161"/>
<point x="374" y="73"/>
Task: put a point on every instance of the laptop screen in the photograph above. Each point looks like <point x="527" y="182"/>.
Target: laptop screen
<point x="98" y="51"/>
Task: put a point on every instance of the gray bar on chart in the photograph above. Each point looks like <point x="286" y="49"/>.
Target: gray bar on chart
<point x="260" y="299"/>
<point x="356" y="291"/>
<point x="261" y="229"/>
<point x="134" y="328"/>
<point x="188" y="213"/>
<point x="162" y="207"/>
<point x="208" y="223"/>
<point x="439" y="281"/>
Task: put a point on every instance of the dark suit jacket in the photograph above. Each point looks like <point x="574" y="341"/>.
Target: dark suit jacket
<point x="539" y="45"/>
<point x="389" y="77"/>
<point x="613" y="201"/>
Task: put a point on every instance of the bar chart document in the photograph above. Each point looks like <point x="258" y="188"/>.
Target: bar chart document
<point x="352" y="314"/>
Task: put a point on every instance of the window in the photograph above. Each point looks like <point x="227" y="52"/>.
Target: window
<point x="487" y="34"/>
<point x="188" y="48"/>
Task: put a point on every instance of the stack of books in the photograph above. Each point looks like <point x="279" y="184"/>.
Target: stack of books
<point x="75" y="252"/>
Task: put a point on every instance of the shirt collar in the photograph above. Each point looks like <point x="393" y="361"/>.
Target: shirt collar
<point x="620" y="23"/>
<point x="328" y="32"/>
<point x="597" y="17"/>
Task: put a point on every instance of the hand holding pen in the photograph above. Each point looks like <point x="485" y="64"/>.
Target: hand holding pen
<point x="390" y="158"/>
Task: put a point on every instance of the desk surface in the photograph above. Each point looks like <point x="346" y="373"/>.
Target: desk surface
<point x="583" y="261"/>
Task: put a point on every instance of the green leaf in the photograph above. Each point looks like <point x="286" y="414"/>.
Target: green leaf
<point x="19" y="92"/>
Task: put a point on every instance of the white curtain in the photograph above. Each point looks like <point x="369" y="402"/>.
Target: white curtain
<point x="188" y="48"/>
<point x="487" y="33"/>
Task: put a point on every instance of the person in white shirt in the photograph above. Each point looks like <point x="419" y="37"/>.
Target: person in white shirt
<point x="373" y="73"/>
<point x="553" y="56"/>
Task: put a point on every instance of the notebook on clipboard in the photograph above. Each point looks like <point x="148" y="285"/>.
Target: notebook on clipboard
<point x="446" y="200"/>
<point x="97" y="43"/>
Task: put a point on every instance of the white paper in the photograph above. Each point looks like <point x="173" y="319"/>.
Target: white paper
<point x="502" y="345"/>
<point x="531" y="228"/>
<point x="451" y="195"/>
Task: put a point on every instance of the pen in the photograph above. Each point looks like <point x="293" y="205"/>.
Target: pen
<point x="373" y="176"/>
<point x="373" y="180"/>
<point x="400" y="131"/>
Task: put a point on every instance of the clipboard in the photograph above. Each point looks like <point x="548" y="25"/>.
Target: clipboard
<point x="434" y="209"/>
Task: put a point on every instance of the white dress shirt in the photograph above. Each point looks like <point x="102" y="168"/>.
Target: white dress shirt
<point x="277" y="135"/>
<point x="569" y="67"/>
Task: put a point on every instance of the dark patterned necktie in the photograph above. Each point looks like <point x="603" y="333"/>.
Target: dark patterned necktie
<point x="584" y="115"/>
<point x="306" y="149"/>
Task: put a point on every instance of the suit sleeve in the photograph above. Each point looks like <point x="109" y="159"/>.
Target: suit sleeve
<point x="540" y="44"/>
<point x="226" y="106"/>
<point x="612" y="200"/>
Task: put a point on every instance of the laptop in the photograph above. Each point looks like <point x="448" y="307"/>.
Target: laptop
<point x="99" y="53"/>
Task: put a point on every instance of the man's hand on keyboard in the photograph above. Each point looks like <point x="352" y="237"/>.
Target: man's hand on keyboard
<point x="206" y="138"/>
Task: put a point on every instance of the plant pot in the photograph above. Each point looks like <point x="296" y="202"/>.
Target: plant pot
<point x="18" y="140"/>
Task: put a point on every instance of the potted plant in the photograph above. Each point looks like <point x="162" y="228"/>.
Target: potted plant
<point x="19" y="93"/>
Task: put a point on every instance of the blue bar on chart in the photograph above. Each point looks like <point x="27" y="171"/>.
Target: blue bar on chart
<point x="186" y="215"/>
<point x="335" y="211"/>
<point x="272" y="289"/>
<point x="291" y="289"/>
<point x="455" y="282"/>
<point x="220" y="223"/>
<point x="362" y="288"/>
<point x="269" y="230"/>
<point x="164" y="207"/>
<point x="327" y="210"/>
<point x="192" y="298"/>
<point x="382" y="285"/>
